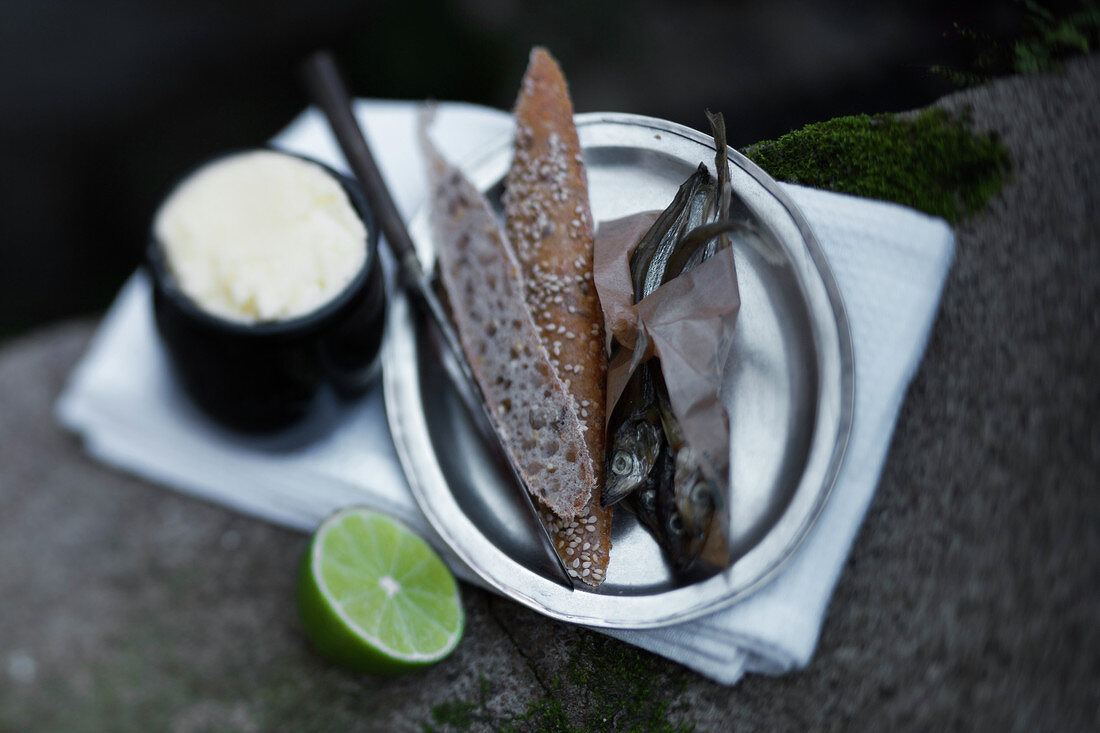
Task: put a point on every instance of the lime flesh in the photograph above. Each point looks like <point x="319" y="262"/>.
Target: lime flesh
<point x="375" y="597"/>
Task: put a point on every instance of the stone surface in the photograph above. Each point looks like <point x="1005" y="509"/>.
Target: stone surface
<point x="970" y="599"/>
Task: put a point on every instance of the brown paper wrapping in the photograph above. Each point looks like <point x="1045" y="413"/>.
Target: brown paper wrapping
<point x="688" y="323"/>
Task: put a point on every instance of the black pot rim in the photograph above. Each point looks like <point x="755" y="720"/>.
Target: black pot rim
<point x="164" y="279"/>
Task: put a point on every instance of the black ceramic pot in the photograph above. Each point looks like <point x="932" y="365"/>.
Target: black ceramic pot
<point x="268" y="376"/>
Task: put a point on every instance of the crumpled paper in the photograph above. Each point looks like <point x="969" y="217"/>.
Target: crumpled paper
<point x="687" y="323"/>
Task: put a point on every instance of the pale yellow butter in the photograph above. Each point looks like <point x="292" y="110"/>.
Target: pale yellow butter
<point x="261" y="236"/>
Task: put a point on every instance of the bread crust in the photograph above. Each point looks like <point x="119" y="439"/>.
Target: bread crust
<point x="534" y="412"/>
<point x="549" y="225"/>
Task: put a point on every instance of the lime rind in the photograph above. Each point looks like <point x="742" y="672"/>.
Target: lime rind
<point x="353" y="554"/>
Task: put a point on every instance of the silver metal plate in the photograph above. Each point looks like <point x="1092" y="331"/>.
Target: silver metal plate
<point x="789" y="391"/>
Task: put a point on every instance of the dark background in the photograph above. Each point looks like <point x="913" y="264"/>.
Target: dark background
<point x="105" y="103"/>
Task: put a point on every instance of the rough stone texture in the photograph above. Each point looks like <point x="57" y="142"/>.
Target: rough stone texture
<point x="970" y="599"/>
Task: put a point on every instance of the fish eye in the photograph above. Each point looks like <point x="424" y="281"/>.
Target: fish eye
<point x="700" y="493"/>
<point x="621" y="463"/>
<point x="675" y="524"/>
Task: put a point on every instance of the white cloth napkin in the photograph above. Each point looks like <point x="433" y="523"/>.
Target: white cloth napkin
<point x="890" y="264"/>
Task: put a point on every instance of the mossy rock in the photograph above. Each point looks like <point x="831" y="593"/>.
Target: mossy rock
<point x="608" y="684"/>
<point x="930" y="161"/>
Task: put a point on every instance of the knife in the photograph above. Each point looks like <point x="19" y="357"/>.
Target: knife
<point x="328" y="91"/>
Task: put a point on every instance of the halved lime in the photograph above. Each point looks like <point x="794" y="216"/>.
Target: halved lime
<point x="374" y="596"/>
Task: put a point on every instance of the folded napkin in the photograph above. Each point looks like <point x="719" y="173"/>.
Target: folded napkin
<point x="890" y="264"/>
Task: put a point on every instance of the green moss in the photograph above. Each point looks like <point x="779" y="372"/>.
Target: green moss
<point x="456" y="715"/>
<point x="610" y="685"/>
<point x="545" y="714"/>
<point x="625" y="692"/>
<point x="1040" y="42"/>
<point x="931" y="162"/>
<point x="1053" y="39"/>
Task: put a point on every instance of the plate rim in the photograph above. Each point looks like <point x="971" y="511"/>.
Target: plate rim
<point x="396" y="373"/>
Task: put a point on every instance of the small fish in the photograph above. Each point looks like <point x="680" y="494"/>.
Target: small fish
<point x="643" y="501"/>
<point x="694" y="499"/>
<point x="674" y="502"/>
<point x="686" y="212"/>
<point x="692" y="228"/>
<point x="650" y="466"/>
<point x="700" y="244"/>
<point x="686" y="503"/>
<point x="634" y="430"/>
<point x="636" y="438"/>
